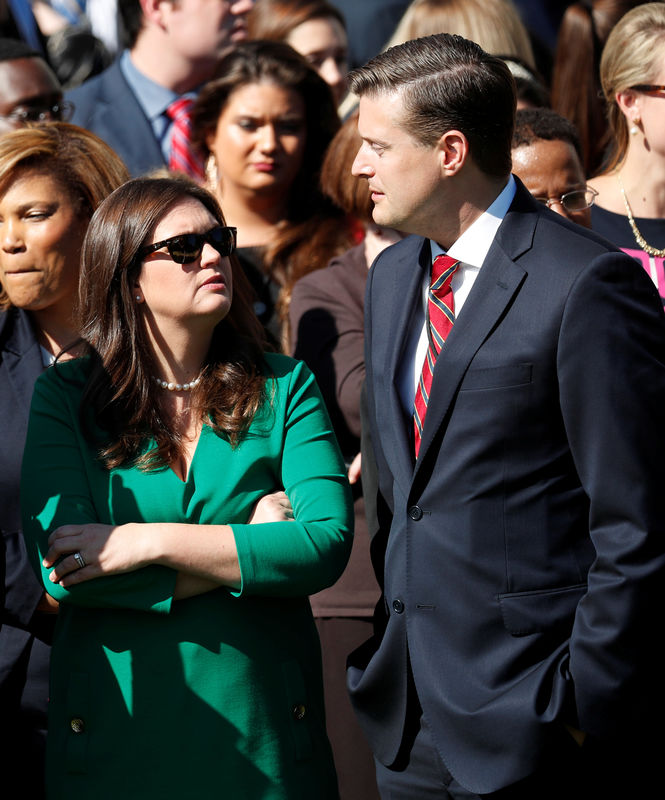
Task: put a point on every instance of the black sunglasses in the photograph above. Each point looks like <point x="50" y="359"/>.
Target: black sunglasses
<point x="187" y="247"/>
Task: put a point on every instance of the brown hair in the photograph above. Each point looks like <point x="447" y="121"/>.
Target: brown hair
<point x="449" y="83"/>
<point x="351" y="194"/>
<point x="632" y="55"/>
<point x="275" y="19"/>
<point x="314" y="229"/>
<point x="124" y="398"/>
<point x="85" y="168"/>
<point x="576" y="85"/>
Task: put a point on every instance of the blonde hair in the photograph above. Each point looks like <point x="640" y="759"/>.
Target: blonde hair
<point x="493" y="24"/>
<point x="81" y="163"/>
<point x="632" y="55"/>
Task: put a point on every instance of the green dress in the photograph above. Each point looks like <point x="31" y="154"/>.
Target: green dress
<point x="219" y="695"/>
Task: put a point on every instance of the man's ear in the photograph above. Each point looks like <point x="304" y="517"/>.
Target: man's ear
<point x="453" y="151"/>
<point x="152" y="11"/>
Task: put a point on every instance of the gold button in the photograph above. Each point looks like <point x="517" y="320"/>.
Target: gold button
<point x="77" y="725"/>
<point x="299" y="711"/>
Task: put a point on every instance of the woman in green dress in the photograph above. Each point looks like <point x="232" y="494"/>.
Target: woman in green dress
<point x="182" y="495"/>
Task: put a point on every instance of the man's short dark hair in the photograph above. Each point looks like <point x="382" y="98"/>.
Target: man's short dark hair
<point x="448" y="83"/>
<point x="532" y="124"/>
<point x="131" y="21"/>
<point x="13" y="49"/>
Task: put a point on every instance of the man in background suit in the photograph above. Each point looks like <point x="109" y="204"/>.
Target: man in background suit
<point x="173" y="48"/>
<point x="521" y="545"/>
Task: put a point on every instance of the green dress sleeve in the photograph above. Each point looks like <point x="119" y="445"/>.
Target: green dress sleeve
<point x="63" y="483"/>
<point x="303" y="556"/>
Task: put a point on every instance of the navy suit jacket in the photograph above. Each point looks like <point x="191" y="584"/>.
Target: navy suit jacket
<point x="25" y="636"/>
<point x="522" y="556"/>
<point x="107" y="106"/>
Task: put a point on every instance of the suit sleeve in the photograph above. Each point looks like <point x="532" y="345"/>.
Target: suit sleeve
<point x="58" y="475"/>
<point x="306" y="555"/>
<point x="611" y="366"/>
<point x="328" y="332"/>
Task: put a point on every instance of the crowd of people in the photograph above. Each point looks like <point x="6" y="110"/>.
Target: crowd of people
<point x="235" y="240"/>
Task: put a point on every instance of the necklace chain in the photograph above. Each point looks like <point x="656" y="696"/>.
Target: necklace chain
<point x="652" y="251"/>
<point x="177" y="387"/>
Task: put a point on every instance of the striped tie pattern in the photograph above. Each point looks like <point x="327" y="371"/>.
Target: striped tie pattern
<point x="440" y="318"/>
<point x="182" y="158"/>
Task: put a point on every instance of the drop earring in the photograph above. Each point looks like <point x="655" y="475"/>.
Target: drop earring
<point x="633" y="128"/>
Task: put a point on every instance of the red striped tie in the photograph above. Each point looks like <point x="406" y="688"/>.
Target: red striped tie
<point x="182" y="157"/>
<point x="440" y="317"/>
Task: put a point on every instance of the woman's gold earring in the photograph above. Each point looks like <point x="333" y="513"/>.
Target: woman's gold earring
<point x="633" y="128"/>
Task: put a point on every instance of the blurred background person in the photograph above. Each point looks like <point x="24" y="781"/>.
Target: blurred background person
<point x="327" y="326"/>
<point x="183" y="597"/>
<point x="369" y="25"/>
<point x="630" y="207"/>
<point x="264" y="123"/>
<point x="576" y="90"/>
<point x="531" y="87"/>
<point x="52" y="178"/>
<point x="547" y="158"/>
<point x="314" y="28"/>
<point x="17" y="21"/>
<point x="141" y="105"/>
<point x="493" y="24"/>
<point x="29" y="89"/>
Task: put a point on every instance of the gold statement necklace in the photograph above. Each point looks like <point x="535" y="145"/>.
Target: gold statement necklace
<point x="652" y="251"/>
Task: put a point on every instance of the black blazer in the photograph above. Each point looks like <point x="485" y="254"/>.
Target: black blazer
<point x="25" y="636"/>
<point x="107" y="106"/>
<point x="522" y="556"/>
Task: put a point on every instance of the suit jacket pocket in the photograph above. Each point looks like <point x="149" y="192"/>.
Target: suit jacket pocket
<point x="542" y="610"/>
<point x="496" y="377"/>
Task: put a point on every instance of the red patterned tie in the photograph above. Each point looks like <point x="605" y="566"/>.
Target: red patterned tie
<point x="440" y="317"/>
<point x="183" y="158"/>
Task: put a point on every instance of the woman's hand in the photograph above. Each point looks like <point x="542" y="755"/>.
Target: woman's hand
<point x="355" y="470"/>
<point x="273" y="507"/>
<point x="91" y="550"/>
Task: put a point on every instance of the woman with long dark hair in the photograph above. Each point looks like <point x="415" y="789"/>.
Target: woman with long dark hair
<point x="264" y="123"/>
<point x="182" y="495"/>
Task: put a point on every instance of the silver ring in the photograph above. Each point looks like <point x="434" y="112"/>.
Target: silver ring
<point x="79" y="559"/>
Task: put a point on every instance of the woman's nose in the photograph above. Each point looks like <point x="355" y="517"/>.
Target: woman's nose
<point x="268" y="139"/>
<point x="209" y="255"/>
<point x="11" y="237"/>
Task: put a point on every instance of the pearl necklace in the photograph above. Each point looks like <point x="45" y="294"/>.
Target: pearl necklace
<point x="652" y="251"/>
<point x="177" y="387"/>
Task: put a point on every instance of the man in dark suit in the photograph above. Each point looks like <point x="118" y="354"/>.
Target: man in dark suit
<point x="173" y="48"/>
<point x="521" y="547"/>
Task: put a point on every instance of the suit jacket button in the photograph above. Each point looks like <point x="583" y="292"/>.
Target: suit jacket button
<point x="416" y="513"/>
<point x="298" y="711"/>
<point x="77" y="725"/>
<point x="398" y="606"/>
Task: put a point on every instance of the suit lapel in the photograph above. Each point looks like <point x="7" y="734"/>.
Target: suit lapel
<point x="131" y="127"/>
<point x="497" y="282"/>
<point x="405" y="294"/>
<point x="21" y="356"/>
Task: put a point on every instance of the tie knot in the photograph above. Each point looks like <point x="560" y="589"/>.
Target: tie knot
<point x="443" y="269"/>
<point x="180" y="109"/>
